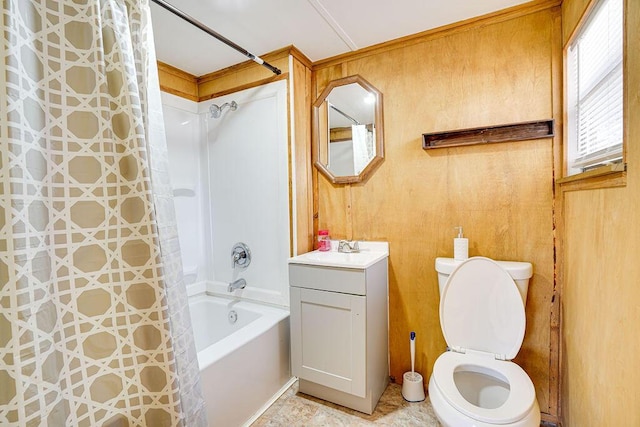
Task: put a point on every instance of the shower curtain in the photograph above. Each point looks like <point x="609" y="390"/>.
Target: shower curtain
<point x="94" y="325"/>
<point x="362" y="141"/>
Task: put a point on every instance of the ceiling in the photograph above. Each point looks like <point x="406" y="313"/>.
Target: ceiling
<point x="319" y="28"/>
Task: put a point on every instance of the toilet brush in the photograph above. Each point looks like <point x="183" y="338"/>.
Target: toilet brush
<point x="412" y="383"/>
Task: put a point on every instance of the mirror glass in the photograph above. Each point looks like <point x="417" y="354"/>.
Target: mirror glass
<point x="348" y="130"/>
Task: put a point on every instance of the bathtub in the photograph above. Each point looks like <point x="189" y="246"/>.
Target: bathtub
<point x="243" y="355"/>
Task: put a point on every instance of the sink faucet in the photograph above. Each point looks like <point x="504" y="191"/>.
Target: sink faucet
<point x="237" y="284"/>
<point x="348" y="247"/>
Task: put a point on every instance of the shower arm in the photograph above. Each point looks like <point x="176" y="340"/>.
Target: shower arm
<point x="218" y="36"/>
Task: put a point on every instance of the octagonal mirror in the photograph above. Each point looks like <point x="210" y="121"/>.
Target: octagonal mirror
<point x="348" y="130"/>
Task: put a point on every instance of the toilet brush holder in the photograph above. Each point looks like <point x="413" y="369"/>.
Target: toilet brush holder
<point x="412" y="383"/>
<point x="413" y="387"/>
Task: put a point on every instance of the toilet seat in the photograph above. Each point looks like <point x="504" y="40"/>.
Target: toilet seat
<point x="521" y="395"/>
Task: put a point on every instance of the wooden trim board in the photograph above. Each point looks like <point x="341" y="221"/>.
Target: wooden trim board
<point x="490" y="134"/>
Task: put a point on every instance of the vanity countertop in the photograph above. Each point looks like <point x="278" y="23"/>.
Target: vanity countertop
<point x="370" y="253"/>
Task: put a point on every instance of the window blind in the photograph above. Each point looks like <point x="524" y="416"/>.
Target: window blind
<point x="595" y="89"/>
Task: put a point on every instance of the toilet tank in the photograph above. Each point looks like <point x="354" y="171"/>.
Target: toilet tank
<point x="521" y="272"/>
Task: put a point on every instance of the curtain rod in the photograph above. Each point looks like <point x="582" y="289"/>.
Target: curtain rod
<point x="348" y="117"/>
<point x="218" y="36"/>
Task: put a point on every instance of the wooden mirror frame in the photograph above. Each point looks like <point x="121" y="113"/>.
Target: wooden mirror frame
<point x="320" y="137"/>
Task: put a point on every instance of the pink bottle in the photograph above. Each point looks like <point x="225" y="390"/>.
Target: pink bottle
<point x="324" y="242"/>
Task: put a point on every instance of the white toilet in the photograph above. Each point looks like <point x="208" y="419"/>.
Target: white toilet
<point x="483" y="321"/>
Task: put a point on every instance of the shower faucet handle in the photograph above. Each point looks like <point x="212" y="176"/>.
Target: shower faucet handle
<point x="240" y="255"/>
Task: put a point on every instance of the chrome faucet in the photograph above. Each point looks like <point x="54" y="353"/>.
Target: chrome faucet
<point x="236" y="257"/>
<point x="240" y="255"/>
<point x="237" y="284"/>
<point x="348" y="247"/>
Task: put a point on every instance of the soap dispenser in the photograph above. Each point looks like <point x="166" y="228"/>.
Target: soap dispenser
<point x="460" y="246"/>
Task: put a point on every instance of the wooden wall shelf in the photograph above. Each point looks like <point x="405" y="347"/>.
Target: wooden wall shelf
<point x="490" y="134"/>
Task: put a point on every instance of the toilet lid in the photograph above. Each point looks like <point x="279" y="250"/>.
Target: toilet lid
<point x="482" y="310"/>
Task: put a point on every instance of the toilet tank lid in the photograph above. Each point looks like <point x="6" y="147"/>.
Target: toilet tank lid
<point x="517" y="270"/>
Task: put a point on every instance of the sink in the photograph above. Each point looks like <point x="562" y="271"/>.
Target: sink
<point x="339" y="259"/>
<point x="370" y="253"/>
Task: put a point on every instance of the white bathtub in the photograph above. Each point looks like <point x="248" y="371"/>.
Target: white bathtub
<point x="243" y="365"/>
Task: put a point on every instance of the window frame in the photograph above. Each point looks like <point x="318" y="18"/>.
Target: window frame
<point x="608" y="175"/>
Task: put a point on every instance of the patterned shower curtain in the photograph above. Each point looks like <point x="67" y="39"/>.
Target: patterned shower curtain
<point x="94" y="325"/>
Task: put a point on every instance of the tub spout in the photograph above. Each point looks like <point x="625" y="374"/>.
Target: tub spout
<point x="237" y="284"/>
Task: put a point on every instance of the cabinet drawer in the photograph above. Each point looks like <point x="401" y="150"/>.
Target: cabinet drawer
<point x="343" y="280"/>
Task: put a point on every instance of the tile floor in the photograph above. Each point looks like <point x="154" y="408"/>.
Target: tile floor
<point x="298" y="409"/>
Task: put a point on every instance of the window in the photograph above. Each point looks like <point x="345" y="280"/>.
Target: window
<point x="594" y="85"/>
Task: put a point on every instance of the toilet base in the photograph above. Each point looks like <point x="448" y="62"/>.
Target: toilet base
<point x="450" y="417"/>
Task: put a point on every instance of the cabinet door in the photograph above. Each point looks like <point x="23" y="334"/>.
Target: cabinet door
<point x="328" y="339"/>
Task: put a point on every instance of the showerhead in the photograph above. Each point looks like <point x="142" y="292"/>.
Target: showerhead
<point x="216" y="111"/>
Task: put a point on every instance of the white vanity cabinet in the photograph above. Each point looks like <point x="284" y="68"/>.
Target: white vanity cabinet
<point x="339" y="328"/>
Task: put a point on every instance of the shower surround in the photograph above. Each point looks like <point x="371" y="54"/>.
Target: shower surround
<point x="230" y="177"/>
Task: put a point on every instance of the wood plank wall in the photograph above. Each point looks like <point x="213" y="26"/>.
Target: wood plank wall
<point x="301" y="111"/>
<point x="490" y="71"/>
<point x="600" y="246"/>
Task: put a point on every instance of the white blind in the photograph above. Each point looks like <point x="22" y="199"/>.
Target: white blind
<point x="595" y="88"/>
